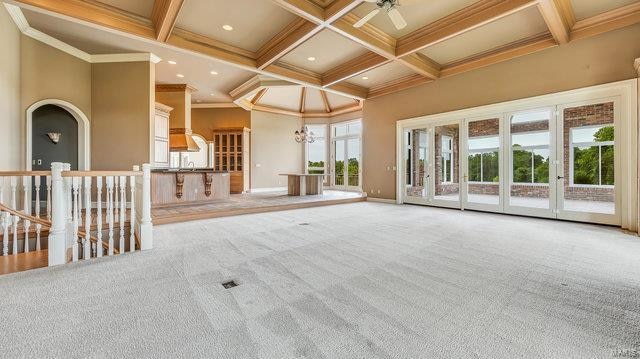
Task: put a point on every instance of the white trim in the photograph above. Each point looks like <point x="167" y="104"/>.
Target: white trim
<point x="267" y="189"/>
<point x="23" y="25"/>
<point x="84" y="132"/>
<point x="381" y="200"/>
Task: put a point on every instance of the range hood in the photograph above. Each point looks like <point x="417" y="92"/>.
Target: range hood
<point x="180" y="140"/>
<point x="178" y="96"/>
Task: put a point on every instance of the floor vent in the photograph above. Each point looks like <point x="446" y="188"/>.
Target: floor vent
<point x="303" y="224"/>
<point x="229" y="284"/>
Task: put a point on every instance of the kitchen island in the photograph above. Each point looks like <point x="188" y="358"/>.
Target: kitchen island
<point x="188" y="186"/>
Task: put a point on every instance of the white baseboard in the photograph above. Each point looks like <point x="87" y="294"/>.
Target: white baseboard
<point x="270" y="189"/>
<point x="381" y="200"/>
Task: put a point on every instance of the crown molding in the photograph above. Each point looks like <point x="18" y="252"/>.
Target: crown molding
<point x="23" y="25"/>
<point x="214" y="105"/>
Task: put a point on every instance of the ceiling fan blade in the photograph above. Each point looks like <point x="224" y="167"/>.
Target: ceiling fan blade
<point x="367" y="17"/>
<point x="397" y="19"/>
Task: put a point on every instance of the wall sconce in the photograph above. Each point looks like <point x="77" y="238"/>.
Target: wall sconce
<point x="54" y="137"/>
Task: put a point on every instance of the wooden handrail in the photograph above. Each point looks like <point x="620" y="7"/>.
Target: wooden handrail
<point x="100" y="173"/>
<point x="47" y="224"/>
<point x="24" y="173"/>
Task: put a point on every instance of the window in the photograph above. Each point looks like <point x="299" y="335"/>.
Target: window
<point x="447" y="159"/>
<point x="592" y="156"/>
<point x="484" y="159"/>
<point x="530" y="156"/>
<point x="317" y="151"/>
<point x="409" y="157"/>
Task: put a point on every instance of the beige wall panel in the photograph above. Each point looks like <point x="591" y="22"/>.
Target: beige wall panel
<point x="598" y="60"/>
<point x="122" y="114"/>
<point x="11" y="144"/>
<point x="274" y="149"/>
<point x="205" y="120"/>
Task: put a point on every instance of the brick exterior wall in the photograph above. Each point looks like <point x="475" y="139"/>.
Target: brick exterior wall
<point x="599" y="114"/>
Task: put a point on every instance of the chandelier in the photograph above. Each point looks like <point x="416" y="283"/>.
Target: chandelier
<point x="304" y="135"/>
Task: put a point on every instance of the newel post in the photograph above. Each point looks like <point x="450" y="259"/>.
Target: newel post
<point x="146" y="227"/>
<point x="57" y="235"/>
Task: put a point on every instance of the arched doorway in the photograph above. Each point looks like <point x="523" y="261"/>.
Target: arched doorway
<point x="53" y="119"/>
<point x="57" y="116"/>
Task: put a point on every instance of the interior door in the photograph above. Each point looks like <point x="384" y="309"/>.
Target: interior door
<point x="531" y="163"/>
<point x="417" y="166"/>
<point x="588" y="166"/>
<point x="483" y="179"/>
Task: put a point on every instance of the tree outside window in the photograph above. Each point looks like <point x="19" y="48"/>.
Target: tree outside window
<point x="592" y="151"/>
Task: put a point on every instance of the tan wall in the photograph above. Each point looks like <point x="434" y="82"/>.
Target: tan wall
<point x="11" y="146"/>
<point x="274" y="148"/>
<point x="122" y="114"/>
<point x="602" y="59"/>
<point x="48" y="73"/>
<point x="205" y="120"/>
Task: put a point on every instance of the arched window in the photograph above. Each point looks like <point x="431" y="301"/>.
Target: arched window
<point x="201" y="158"/>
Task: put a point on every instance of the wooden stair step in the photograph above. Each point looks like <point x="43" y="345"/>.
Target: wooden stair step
<point x="24" y="261"/>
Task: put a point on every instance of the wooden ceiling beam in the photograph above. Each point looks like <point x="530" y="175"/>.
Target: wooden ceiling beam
<point x="325" y="100"/>
<point x="608" y="21"/>
<point x="353" y="67"/>
<point x="303" y="98"/>
<point x="303" y="8"/>
<point x="469" y="18"/>
<point x="558" y="21"/>
<point x="422" y="65"/>
<point x="164" y="16"/>
<point x="398" y="84"/>
<point x="258" y="96"/>
<point x="292" y="36"/>
<point x="367" y="36"/>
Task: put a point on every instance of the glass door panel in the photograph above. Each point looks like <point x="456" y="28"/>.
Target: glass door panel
<point x="338" y="162"/>
<point x="416" y="165"/>
<point x="353" y="163"/>
<point x="530" y="162"/>
<point x="587" y="190"/>
<point x="483" y="164"/>
<point x="446" y="164"/>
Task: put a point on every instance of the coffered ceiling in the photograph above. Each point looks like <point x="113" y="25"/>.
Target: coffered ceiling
<point x="313" y="43"/>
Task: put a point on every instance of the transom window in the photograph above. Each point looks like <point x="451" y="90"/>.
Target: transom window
<point x="592" y="156"/>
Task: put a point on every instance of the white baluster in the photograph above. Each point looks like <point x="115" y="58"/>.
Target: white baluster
<point x="110" y="212"/>
<point x="99" y="216"/>
<point x="5" y="221"/>
<point x="26" y="209"/>
<point x="116" y="194"/>
<point x="14" y="204"/>
<point x="68" y="195"/>
<point x="132" y="217"/>
<point x="49" y="198"/>
<point x="87" y="218"/>
<point x="123" y="209"/>
<point x="37" y="210"/>
<point x="57" y="241"/>
<point x="146" y="227"/>
<point x="76" y="214"/>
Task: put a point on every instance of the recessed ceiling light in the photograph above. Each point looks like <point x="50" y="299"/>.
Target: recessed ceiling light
<point x="311" y="58"/>
<point x="227" y="27"/>
<point x="172" y="62"/>
<point x="365" y="78"/>
<point x="214" y="72"/>
<point x="180" y="75"/>
<point x="198" y="100"/>
<point x="212" y="94"/>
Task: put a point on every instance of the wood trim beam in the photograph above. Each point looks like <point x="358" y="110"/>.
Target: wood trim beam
<point x="557" y="21"/>
<point x="303" y="98"/>
<point x="303" y="8"/>
<point x="163" y="17"/>
<point x="469" y="18"/>
<point x="422" y="65"/>
<point x="289" y="38"/>
<point x="353" y="67"/>
<point x="258" y="96"/>
<point x="608" y="21"/>
<point x="396" y="85"/>
<point x="325" y="100"/>
<point x="367" y="36"/>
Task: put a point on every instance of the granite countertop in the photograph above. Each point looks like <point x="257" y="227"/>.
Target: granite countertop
<point x="186" y="170"/>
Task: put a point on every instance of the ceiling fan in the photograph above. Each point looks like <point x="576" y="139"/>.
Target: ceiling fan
<point x="391" y="7"/>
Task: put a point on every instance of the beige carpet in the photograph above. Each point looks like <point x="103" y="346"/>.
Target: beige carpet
<point x="361" y="280"/>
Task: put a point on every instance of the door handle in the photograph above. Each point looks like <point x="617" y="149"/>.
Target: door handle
<point x="560" y="177"/>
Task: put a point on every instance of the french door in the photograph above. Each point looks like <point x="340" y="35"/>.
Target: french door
<point x="345" y="164"/>
<point x="554" y="162"/>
